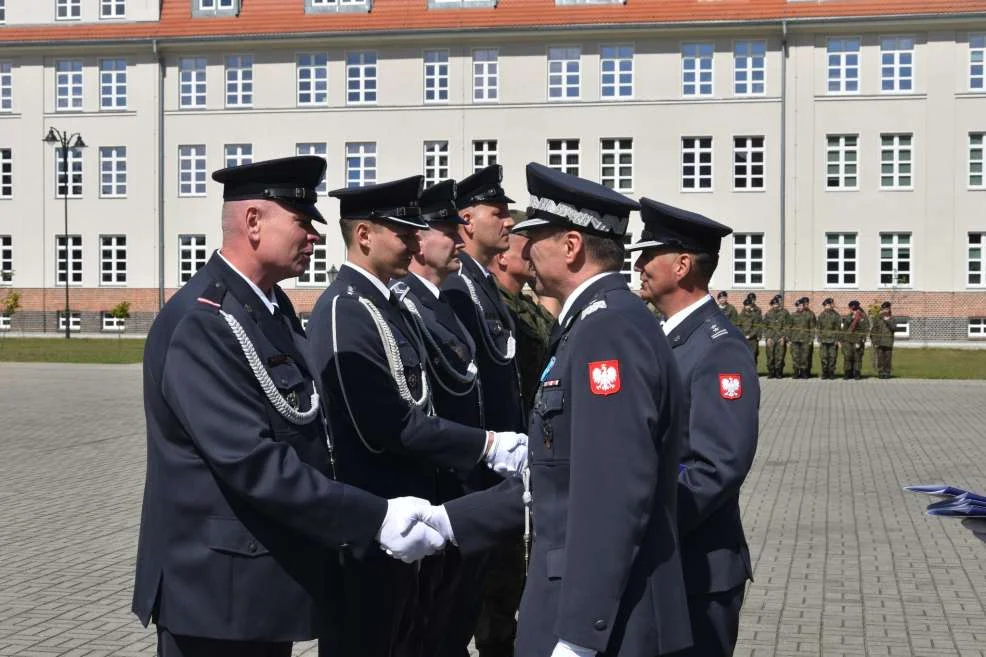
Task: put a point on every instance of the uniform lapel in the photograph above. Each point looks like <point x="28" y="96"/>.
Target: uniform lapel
<point x="684" y="330"/>
<point x="486" y="289"/>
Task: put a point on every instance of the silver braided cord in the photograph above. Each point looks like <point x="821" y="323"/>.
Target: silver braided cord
<point x="394" y="359"/>
<point x="528" y="511"/>
<point x="277" y="400"/>
<point x="497" y="356"/>
<point x="468" y="379"/>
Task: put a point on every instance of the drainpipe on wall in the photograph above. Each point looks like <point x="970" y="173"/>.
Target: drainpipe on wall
<point x="160" y="175"/>
<point x="783" y="146"/>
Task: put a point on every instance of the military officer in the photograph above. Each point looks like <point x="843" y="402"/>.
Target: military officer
<point x="802" y="333"/>
<point x="882" y="338"/>
<point x="855" y="328"/>
<point x="829" y="332"/>
<point x="381" y="412"/>
<point x="679" y="253"/>
<point x="728" y="309"/>
<point x="777" y="329"/>
<point x="243" y="524"/>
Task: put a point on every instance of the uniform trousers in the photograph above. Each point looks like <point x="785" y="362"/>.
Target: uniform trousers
<point x="177" y="645"/>
<point x="715" y="623"/>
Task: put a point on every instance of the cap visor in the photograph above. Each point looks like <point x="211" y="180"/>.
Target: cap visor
<point x="307" y="210"/>
<point x="646" y="244"/>
<point x="448" y="219"/>
<point x="408" y="221"/>
<point x="528" y="224"/>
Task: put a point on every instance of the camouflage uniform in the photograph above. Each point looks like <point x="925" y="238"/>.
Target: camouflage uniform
<point x="855" y="327"/>
<point x="729" y="310"/>
<point x="882" y="338"/>
<point x="776" y="329"/>
<point x="829" y="333"/>
<point x="749" y="323"/>
<point x="802" y="335"/>
<point x="811" y="339"/>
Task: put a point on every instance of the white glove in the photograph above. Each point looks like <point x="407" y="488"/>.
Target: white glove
<point x="403" y="536"/>
<point x="508" y="453"/>
<point x="566" y="649"/>
<point x="977" y="526"/>
<point x="437" y="518"/>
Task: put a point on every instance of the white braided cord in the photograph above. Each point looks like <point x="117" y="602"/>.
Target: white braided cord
<point x="468" y="379"/>
<point x="528" y="511"/>
<point x="497" y="356"/>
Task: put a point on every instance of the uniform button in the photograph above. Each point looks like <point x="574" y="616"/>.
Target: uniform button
<point x="284" y="382"/>
<point x="600" y="624"/>
<point x="252" y="547"/>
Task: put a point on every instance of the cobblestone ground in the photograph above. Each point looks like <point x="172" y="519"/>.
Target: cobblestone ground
<point x="845" y="563"/>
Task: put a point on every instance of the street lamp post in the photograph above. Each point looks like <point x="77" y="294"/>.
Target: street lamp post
<point x="65" y="141"/>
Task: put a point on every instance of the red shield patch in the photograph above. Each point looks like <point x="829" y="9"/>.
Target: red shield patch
<point x="604" y="377"/>
<point x="730" y="386"/>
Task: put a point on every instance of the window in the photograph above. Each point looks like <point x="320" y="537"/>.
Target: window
<point x="68" y="262"/>
<point x="6" y="86"/>
<point x="316" y="6"/>
<point x="897" y="64"/>
<point x="112" y="259"/>
<point x="436" y="76"/>
<point x="113" y="324"/>
<point x="747" y="163"/>
<point x="238" y="154"/>
<point x="68" y="10"/>
<point x="73" y="177"/>
<point x="902" y="327"/>
<point x="74" y="321"/>
<point x="436" y="162"/>
<point x="191" y="82"/>
<point x="483" y="153"/>
<point x="485" y="75"/>
<point x="112" y="171"/>
<point x="628" y="259"/>
<point x="361" y="164"/>
<point x="895" y="162"/>
<point x="68" y="85"/>
<point x="895" y="259"/>
<point x="191" y="256"/>
<point x="977" y="327"/>
<point x="112" y="84"/>
<point x="191" y="170"/>
<point x="975" y="259"/>
<point x="4" y="317"/>
<point x="696" y="69"/>
<point x="317" y="272"/>
<point x="113" y="9"/>
<point x="748" y="259"/>
<point x="361" y="77"/>
<point x="842" y="161"/>
<point x="213" y="7"/>
<point x="449" y="4"/>
<point x="977" y="62"/>
<point x="840" y="259"/>
<point x="314" y="148"/>
<point x="843" y="66"/>
<point x="239" y="80"/>
<point x="696" y="163"/>
<point x="977" y="140"/>
<point x="616" y="72"/>
<point x="563" y="155"/>
<point x="6" y="173"/>
<point x="749" y="68"/>
<point x="616" y="164"/>
<point x="313" y="79"/>
<point x="6" y="259"/>
<point x="564" y="73"/>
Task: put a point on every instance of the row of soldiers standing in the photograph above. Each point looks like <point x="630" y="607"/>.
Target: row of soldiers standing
<point x="778" y="328"/>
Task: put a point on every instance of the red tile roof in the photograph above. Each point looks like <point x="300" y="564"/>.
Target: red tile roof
<point x="273" y="17"/>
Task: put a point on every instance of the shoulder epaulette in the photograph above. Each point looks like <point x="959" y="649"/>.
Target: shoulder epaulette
<point x="213" y="294"/>
<point x="598" y="304"/>
<point x="715" y="329"/>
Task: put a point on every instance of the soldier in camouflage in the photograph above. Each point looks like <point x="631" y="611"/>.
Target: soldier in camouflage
<point x="855" y="328"/>
<point x="802" y="335"/>
<point x="829" y="333"/>
<point x="776" y="330"/>
<point x="806" y="302"/>
<point x="749" y="323"/>
<point x="728" y="309"/>
<point x="882" y="337"/>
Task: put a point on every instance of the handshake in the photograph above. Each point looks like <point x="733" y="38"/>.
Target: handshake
<point x="414" y="529"/>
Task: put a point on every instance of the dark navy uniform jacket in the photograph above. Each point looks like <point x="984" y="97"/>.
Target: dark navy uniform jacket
<point x="240" y="519"/>
<point x="722" y="393"/>
<point x="605" y="441"/>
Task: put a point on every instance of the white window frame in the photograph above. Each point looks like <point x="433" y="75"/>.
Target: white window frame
<point x="897" y="56"/>
<point x="191" y="161"/>
<point x="976" y="327"/>
<point x="112" y="84"/>
<point x="338" y="5"/>
<point x="436" y="76"/>
<point x="236" y="155"/>
<point x="216" y="6"/>
<point x="68" y="10"/>
<point x="312" y="78"/>
<point x="192" y="255"/>
<point x="74" y="321"/>
<point x="902" y="327"/>
<point x="238" y="90"/>
<point x="698" y="63"/>
<point x="192" y="82"/>
<point x="319" y="148"/>
<point x="71" y="181"/>
<point x="112" y="252"/>
<point x="627" y="270"/>
<point x="485" y="75"/>
<point x="977" y="62"/>
<point x="112" y="9"/>
<point x="564" y="73"/>
<point x="616" y="163"/>
<point x="750" y="67"/>
<point x="896" y="251"/>
<point x="565" y="155"/>
<point x="112" y="172"/>
<point x="68" y="264"/>
<point x="838" y="246"/>
<point x="6" y="86"/>
<point x="845" y="167"/>
<point x="844" y="63"/>
<point x="616" y="72"/>
<point x="896" y="161"/>
<point x="113" y="324"/>
<point x="6" y="260"/>
<point x="748" y="158"/>
<point x="4" y="317"/>
<point x="361" y="77"/>
<point x="977" y="161"/>
<point x="435" y="162"/>
<point x="745" y="250"/>
<point x="69" y="85"/>
<point x="317" y="273"/>
<point x="697" y="163"/>
<point x="6" y="173"/>
<point x="361" y="163"/>
<point x="484" y="153"/>
<point x="975" y="265"/>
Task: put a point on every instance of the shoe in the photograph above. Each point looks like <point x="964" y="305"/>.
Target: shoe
<point x="857" y="376"/>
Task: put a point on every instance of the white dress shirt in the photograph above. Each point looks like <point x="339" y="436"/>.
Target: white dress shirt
<point x="270" y="301"/>
<point x="377" y="283"/>
<point x="573" y="297"/>
<point x="672" y="322"/>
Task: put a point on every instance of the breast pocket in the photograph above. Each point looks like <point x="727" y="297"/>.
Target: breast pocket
<point x="548" y="442"/>
<point x="296" y="388"/>
<point x="411" y="366"/>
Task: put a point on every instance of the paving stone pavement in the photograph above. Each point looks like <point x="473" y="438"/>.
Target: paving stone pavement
<point x="845" y="562"/>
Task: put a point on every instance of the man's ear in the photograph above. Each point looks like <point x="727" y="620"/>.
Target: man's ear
<point x="467" y="229"/>
<point x="251" y="218"/>
<point x="574" y="246"/>
<point x="362" y="234"/>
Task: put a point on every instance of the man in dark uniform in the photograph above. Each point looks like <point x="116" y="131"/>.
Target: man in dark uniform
<point x="680" y="251"/>
<point x="728" y="309"/>
<point x="242" y="524"/>
<point x="829" y="333"/>
<point x="882" y="338"/>
<point x="373" y="370"/>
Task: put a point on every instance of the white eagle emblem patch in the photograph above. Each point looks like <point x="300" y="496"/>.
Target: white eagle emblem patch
<point x="604" y="377"/>
<point x="730" y="386"/>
